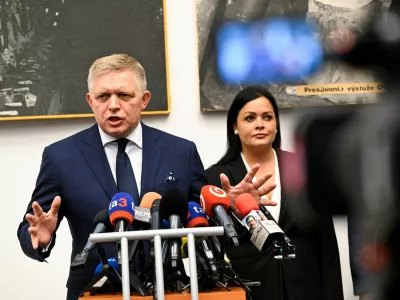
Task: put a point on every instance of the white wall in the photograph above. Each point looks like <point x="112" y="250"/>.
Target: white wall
<point x="22" y="144"/>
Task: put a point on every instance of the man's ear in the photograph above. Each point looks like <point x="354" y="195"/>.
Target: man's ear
<point x="89" y="99"/>
<point x="145" y="99"/>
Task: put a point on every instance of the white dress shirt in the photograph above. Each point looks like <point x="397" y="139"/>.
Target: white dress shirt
<point x="134" y="150"/>
<point x="276" y="193"/>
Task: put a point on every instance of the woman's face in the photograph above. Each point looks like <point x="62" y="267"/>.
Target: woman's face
<point x="256" y="123"/>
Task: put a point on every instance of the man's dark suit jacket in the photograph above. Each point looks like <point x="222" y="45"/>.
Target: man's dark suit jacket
<point x="314" y="274"/>
<point x="77" y="170"/>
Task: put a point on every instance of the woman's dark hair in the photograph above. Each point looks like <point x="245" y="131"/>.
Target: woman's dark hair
<point x="242" y="98"/>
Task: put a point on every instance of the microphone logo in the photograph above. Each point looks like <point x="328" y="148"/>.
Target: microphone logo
<point x="198" y="210"/>
<point x="203" y="203"/>
<point x="121" y="202"/>
<point x="216" y="191"/>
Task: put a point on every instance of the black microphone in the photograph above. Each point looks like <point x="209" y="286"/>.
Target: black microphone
<point x="102" y="224"/>
<point x="174" y="208"/>
<point x="203" y="244"/>
<point x="289" y="247"/>
<point x="201" y="262"/>
<point x="155" y="221"/>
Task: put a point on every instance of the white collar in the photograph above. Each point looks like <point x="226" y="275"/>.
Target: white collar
<point x="135" y="136"/>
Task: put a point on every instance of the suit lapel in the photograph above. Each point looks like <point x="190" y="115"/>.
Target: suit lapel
<point x="152" y="154"/>
<point x="284" y="220"/>
<point x="237" y="171"/>
<point x="93" y="151"/>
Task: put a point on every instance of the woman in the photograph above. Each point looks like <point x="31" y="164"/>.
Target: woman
<point x="254" y="138"/>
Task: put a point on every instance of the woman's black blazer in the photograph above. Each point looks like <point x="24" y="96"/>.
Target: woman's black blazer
<point x="314" y="274"/>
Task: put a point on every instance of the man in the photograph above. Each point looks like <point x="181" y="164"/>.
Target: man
<point x="80" y="174"/>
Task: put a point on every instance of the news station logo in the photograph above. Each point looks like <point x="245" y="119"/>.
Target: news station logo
<point x="122" y="203"/>
<point x="216" y="191"/>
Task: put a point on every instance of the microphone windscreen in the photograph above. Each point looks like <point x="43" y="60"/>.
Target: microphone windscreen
<point x="173" y="203"/>
<point x="196" y="216"/>
<point x="148" y="199"/>
<point x="121" y="207"/>
<point x="103" y="217"/>
<point x="212" y="196"/>
<point x="112" y="261"/>
<point x="245" y="203"/>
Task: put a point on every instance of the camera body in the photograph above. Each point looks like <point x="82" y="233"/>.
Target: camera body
<point x="347" y="157"/>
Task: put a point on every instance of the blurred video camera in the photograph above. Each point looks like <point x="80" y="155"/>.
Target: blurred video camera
<point x="347" y="156"/>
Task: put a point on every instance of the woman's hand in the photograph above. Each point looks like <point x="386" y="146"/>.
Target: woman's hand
<point x="247" y="186"/>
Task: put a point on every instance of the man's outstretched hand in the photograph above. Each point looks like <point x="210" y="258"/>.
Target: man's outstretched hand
<point x="247" y="186"/>
<point x="42" y="224"/>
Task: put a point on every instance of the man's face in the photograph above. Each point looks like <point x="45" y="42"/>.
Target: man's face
<point x="251" y="222"/>
<point x="117" y="102"/>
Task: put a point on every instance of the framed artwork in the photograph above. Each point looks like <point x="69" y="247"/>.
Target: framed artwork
<point x="334" y="84"/>
<point x="47" y="47"/>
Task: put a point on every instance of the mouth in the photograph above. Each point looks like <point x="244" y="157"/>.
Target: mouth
<point x="260" y="135"/>
<point x="114" y="119"/>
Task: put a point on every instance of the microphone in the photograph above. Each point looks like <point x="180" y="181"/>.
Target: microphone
<point x="291" y="251"/>
<point x="215" y="203"/>
<point x="262" y="229"/>
<point x="112" y="262"/>
<point x="174" y="207"/>
<point x="196" y="216"/>
<point x="151" y="202"/>
<point x="143" y="213"/>
<point x="121" y="212"/>
<point x="201" y="262"/>
<point x="102" y="224"/>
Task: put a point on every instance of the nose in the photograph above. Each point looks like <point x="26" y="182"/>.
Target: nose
<point x="113" y="103"/>
<point x="259" y="123"/>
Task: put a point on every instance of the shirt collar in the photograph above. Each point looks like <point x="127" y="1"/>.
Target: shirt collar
<point x="135" y="136"/>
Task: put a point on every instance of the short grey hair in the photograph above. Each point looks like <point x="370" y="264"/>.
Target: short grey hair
<point x="118" y="62"/>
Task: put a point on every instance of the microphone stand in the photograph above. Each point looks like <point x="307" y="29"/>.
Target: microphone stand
<point x="97" y="285"/>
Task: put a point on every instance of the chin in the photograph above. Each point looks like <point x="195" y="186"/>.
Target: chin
<point x="261" y="143"/>
<point x="117" y="132"/>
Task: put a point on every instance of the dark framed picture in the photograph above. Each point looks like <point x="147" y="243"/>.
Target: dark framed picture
<point x="47" y="47"/>
<point x="338" y="21"/>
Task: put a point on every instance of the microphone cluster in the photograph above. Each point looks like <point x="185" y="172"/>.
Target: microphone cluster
<point x="173" y="211"/>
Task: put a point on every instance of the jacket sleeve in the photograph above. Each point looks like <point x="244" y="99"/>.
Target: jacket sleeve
<point x="47" y="187"/>
<point x="197" y="175"/>
<point x="332" y="286"/>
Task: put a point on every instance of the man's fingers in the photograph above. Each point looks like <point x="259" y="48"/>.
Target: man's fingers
<point x="31" y="219"/>
<point x="35" y="242"/>
<point x="225" y="182"/>
<point x="37" y="209"/>
<point x="32" y="230"/>
<point x="260" y="181"/>
<point x="55" y="206"/>
<point x="34" y="238"/>
<point x="250" y="175"/>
